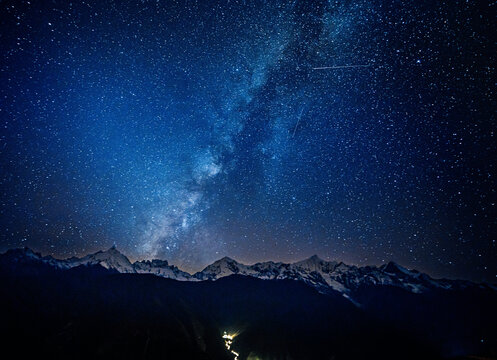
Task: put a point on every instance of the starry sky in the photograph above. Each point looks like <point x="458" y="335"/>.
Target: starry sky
<point x="361" y="131"/>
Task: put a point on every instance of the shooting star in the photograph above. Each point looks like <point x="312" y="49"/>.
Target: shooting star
<point x="298" y="120"/>
<point x="340" y="67"/>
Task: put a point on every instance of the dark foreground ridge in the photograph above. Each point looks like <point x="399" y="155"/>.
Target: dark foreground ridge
<point x="92" y="311"/>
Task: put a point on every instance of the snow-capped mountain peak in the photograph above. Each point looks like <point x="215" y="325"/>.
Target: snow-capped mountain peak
<point x="220" y="268"/>
<point x="323" y="275"/>
<point x="110" y="259"/>
<point x="160" y="268"/>
<point x="315" y="263"/>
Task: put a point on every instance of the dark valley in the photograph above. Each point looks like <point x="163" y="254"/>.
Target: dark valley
<point x="97" y="309"/>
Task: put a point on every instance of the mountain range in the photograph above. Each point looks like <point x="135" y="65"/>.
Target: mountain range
<point x="103" y="306"/>
<point x="325" y="276"/>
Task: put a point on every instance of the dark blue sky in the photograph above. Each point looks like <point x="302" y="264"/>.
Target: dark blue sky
<point x="362" y="131"/>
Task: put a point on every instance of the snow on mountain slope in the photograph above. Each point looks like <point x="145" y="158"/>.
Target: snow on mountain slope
<point x="313" y="270"/>
<point x="322" y="275"/>
<point x="109" y="259"/>
<point x="160" y="268"/>
<point x="221" y="268"/>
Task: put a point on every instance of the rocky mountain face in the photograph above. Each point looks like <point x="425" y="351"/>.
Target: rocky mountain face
<point x="111" y="259"/>
<point x="323" y="275"/>
<point x="85" y="308"/>
<point x="160" y="268"/>
<point x="334" y="275"/>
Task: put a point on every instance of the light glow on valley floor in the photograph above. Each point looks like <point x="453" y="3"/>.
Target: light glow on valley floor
<point x="228" y="340"/>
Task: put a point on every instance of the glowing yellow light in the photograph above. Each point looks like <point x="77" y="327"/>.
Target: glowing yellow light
<point x="228" y="340"/>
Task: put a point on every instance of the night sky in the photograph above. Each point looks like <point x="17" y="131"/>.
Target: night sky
<point x="361" y="131"/>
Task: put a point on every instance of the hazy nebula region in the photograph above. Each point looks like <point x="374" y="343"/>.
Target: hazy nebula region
<point x="261" y="130"/>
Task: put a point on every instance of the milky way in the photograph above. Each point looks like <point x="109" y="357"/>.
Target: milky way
<point x="189" y="130"/>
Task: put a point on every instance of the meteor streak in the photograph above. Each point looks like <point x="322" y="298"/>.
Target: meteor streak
<point x="340" y="67"/>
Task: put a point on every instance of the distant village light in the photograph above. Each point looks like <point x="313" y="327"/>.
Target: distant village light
<point x="228" y="340"/>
